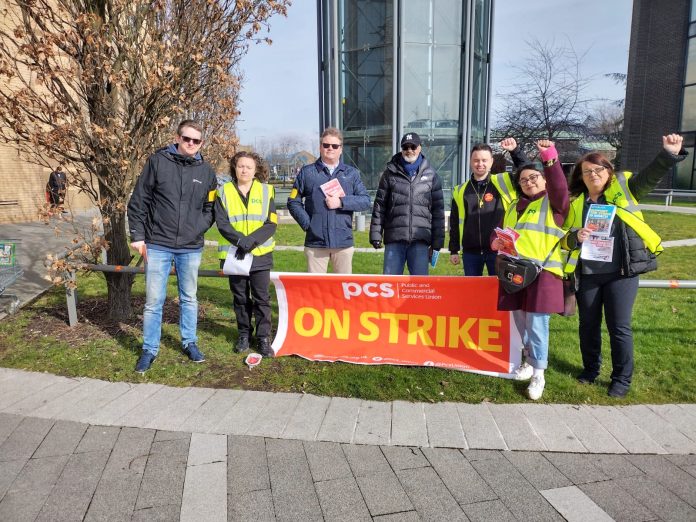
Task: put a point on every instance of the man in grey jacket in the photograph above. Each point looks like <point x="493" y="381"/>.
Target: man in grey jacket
<point x="322" y="201"/>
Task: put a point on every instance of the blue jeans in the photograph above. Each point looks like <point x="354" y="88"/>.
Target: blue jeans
<point x="398" y="254"/>
<point x="156" y="275"/>
<point x="474" y="262"/>
<point x="534" y="329"/>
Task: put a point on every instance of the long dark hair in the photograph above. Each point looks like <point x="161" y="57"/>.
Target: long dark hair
<point x="576" y="185"/>
<point x="261" y="172"/>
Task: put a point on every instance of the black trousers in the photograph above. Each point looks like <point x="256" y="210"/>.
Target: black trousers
<point x="615" y="296"/>
<point x="251" y="295"/>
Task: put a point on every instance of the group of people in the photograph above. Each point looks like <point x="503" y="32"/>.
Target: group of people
<point x="177" y="198"/>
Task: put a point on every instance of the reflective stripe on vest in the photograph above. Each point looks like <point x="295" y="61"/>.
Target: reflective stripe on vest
<point x="458" y="197"/>
<point x="247" y="219"/>
<point x="539" y="234"/>
<point x="506" y="189"/>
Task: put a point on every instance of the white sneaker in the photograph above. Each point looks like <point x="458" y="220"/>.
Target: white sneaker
<point x="536" y="387"/>
<point x="524" y="372"/>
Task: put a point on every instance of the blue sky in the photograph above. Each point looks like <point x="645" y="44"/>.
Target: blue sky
<point x="279" y="95"/>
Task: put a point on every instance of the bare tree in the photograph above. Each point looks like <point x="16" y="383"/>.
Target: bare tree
<point x="548" y="96"/>
<point x="97" y="85"/>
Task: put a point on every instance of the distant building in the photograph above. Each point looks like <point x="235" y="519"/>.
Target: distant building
<point x="387" y="67"/>
<point x="661" y="85"/>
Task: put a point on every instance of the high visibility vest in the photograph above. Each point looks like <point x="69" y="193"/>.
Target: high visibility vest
<point x="619" y="195"/>
<point x="502" y="182"/>
<point x="246" y="219"/>
<point x="539" y="234"/>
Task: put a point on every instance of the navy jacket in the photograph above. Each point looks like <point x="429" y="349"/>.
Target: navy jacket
<point x="327" y="228"/>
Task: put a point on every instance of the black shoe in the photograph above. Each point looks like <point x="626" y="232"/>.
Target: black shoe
<point x="584" y="378"/>
<point x="144" y="362"/>
<point x="265" y="348"/>
<point x="242" y="344"/>
<point x="617" y="391"/>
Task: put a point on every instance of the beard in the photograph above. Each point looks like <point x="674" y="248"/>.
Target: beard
<point x="410" y="159"/>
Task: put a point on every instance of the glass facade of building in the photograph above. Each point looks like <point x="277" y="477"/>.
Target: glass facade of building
<point x="393" y="66"/>
<point x="685" y="177"/>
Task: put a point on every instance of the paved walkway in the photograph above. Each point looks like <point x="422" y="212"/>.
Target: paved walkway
<point x="74" y="449"/>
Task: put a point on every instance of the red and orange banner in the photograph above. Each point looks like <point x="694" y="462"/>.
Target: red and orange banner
<point x="447" y="322"/>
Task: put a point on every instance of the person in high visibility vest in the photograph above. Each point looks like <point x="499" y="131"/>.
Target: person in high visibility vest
<point x="246" y="217"/>
<point x="477" y="207"/>
<point x="537" y="216"/>
<point x="611" y="285"/>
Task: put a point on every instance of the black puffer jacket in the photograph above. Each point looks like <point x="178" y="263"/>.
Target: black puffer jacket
<point x="409" y="208"/>
<point x="172" y="203"/>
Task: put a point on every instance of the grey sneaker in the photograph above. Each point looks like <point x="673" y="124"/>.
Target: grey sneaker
<point x="194" y="353"/>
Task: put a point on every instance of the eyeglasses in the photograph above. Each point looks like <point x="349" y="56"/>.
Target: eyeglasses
<point x="409" y="147"/>
<point x="334" y="146"/>
<point x="595" y="171"/>
<point x="531" y="179"/>
<point x="195" y="141"/>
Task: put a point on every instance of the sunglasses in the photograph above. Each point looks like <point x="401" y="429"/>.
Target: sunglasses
<point x="195" y="141"/>
<point x="409" y="147"/>
<point x="334" y="146"/>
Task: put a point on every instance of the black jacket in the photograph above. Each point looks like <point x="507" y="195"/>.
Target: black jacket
<point x="409" y="208"/>
<point x="172" y="203"/>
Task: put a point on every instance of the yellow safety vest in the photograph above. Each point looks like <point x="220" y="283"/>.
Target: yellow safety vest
<point x="618" y="194"/>
<point x="539" y="234"/>
<point x="246" y="219"/>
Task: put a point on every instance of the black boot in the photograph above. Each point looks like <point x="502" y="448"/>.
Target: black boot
<point x="242" y="344"/>
<point x="265" y="347"/>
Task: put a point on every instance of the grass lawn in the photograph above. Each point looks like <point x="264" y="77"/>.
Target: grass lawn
<point x="38" y="339"/>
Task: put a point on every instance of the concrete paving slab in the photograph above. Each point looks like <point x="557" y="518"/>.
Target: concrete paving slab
<point x="409" y="427"/>
<point x="444" y="428"/>
<point x="480" y="428"/>
<point x="163" y="480"/>
<point x="457" y="473"/>
<point x="272" y="420"/>
<point x="242" y="415"/>
<point x="23" y="385"/>
<point x="403" y="516"/>
<point x="659" y="430"/>
<point x="167" y="513"/>
<point x="95" y="402"/>
<point x="577" y="468"/>
<point x="152" y="407"/>
<point x="10" y="470"/>
<point x="247" y="465"/>
<point x="98" y="438"/>
<point x="575" y="506"/>
<point x="61" y="440"/>
<point x="340" y="499"/>
<point x="208" y="415"/>
<point x="624" y="431"/>
<point x="8" y="422"/>
<point x="72" y="493"/>
<point x="537" y="470"/>
<point x="340" y="420"/>
<point x="205" y="493"/>
<point x="616" y="502"/>
<point x="110" y="413"/>
<point x="402" y="457"/>
<point x="252" y="505"/>
<point x="668" y="474"/>
<point x="161" y="435"/>
<point x="28" y="493"/>
<point x="691" y="470"/>
<point x="326" y="461"/>
<point x="365" y="460"/>
<point x="490" y="510"/>
<point x="207" y="448"/>
<point x="515" y="428"/>
<point x="374" y="423"/>
<point x="678" y="417"/>
<point x="307" y="418"/>
<point x="61" y="406"/>
<point x="177" y="411"/>
<point x="25" y="438"/>
<point x="614" y="466"/>
<point x="384" y="494"/>
<point x="429" y="496"/>
<point x="36" y="400"/>
<point x="551" y="429"/>
<point x="587" y="429"/>
<point x="664" y="504"/>
<point x="294" y="496"/>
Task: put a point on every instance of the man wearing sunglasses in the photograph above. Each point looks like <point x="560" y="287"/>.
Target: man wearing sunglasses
<point x="322" y="201"/>
<point x="409" y="211"/>
<point x="169" y="211"/>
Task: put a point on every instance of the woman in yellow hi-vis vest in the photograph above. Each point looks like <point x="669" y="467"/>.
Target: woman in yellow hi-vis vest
<point x="537" y="215"/>
<point x="608" y="265"/>
<point x="246" y="218"/>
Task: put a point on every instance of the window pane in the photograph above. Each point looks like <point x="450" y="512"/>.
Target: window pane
<point x="684" y="178"/>
<point x="691" y="63"/>
<point x="689" y="110"/>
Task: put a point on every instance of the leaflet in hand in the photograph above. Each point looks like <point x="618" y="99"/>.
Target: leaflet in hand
<point x="332" y="188"/>
<point x="597" y="248"/>
<point x="234" y="266"/>
<point x="434" y="258"/>
<point x="599" y="219"/>
<point x="509" y="239"/>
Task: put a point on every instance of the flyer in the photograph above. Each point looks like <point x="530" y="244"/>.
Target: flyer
<point x="332" y="188"/>
<point x="234" y="266"/>
<point x="599" y="219"/>
<point x="509" y="238"/>
<point x="597" y="248"/>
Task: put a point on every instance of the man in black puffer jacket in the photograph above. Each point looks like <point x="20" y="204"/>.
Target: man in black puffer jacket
<point x="409" y="211"/>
